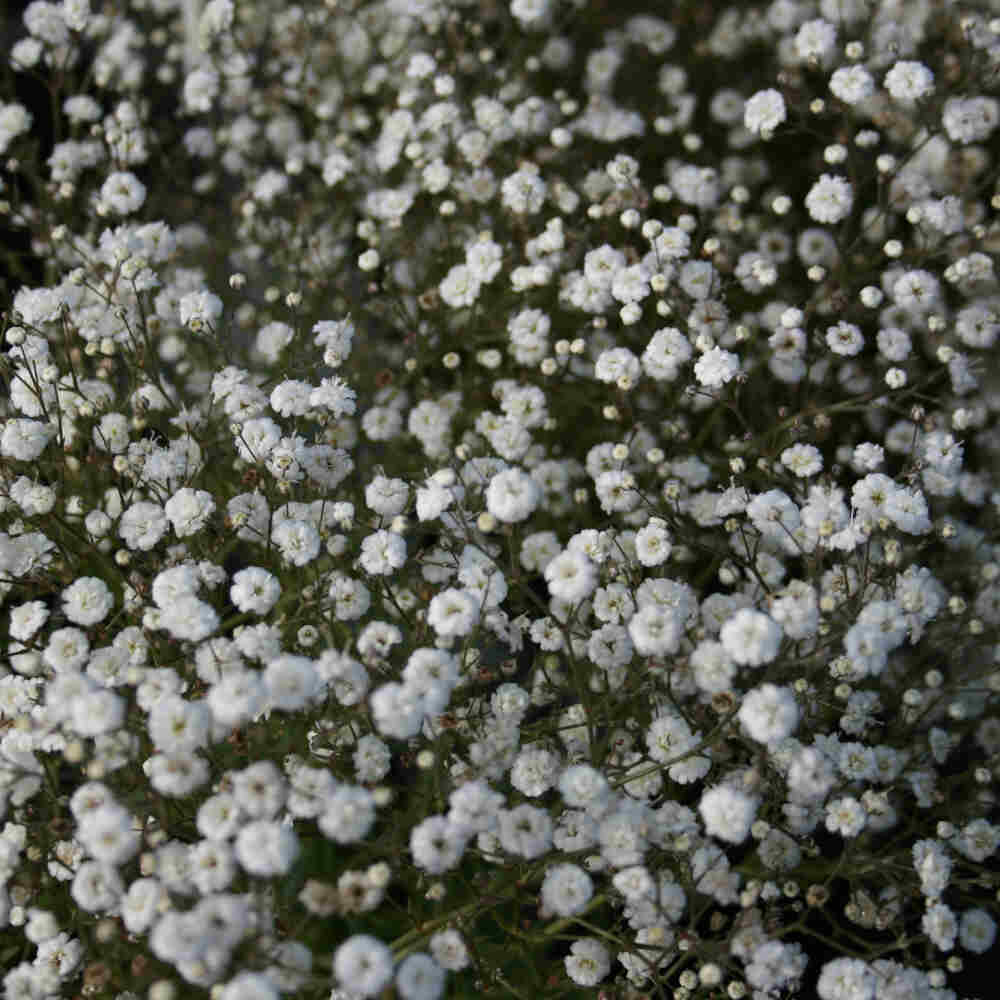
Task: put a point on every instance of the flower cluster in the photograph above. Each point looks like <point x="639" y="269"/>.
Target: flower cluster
<point x="499" y="498"/>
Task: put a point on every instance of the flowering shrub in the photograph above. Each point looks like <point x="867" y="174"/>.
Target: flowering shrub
<point x="499" y="498"/>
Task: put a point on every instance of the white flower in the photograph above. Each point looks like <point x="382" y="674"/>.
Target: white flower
<point x="419" y="977"/>
<point x="142" y="525"/>
<point x="802" y="459"/>
<point x="909" y="81"/>
<point x="614" y="364"/>
<point x="219" y="817"/>
<point x="387" y="497"/>
<point x="291" y="681"/>
<point x="398" y="710"/>
<point x="189" y="618"/>
<point x="460" y="287"/>
<point x="940" y="925"/>
<point x="716" y="367"/>
<point x="566" y="890"/>
<point x="97" y="887"/>
<point x="97" y="712"/>
<point x="25" y="440"/>
<point x="769" y="713"/>
<point x="27" y="619"/>
<point x="200" y="88"/>
<point x="830" y="199"/>
<point x="123" y="193"/>
<point x="255" y="590"/>
<point x="571" y="576"/>
<point x="383" y="553"/>
<point x="453" y="612"/>
<point x="249" y="986"/>
<point x="750" y="637"/>
<point x="977" y="931"/>
<point x="970" y="119"/>
<point x="852" y="84"/>
<point x="523" y="192"/>
<point x="525" y="831"/>
<point x="652" y="543"/>
<point x="437" y="844"/>
<point x="267" y="848"/>
<point x="449" y="949"/>
<point x="108" y="834"/>
<point x="845" y="816"/>
<point x="67" y="649"/>
<point x="363" y="965"/>
<point x="87" y="601"/>
<point x="196" y="309"/>
<point x="236" y="698"/>
<point x="727" y="813"/>
<point x="655" y="630"/>
<point x="176" y="724"/>
<point x="349" y="814"/>
<point x="588" y="962"/>
<point x="847" y="979"/>
<point x="534" y="771"/>
<point x="815" y="39"/>
<point x="764" y="112"/>
<point x="188" y="510"/>
<point x="112" y="433"/>
<point x="512" y="496"/>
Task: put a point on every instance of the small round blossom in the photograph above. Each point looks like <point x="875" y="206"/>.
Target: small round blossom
<point x="655" y="631"/>
<point x="941" y="926"/>
<point x="254" y="590"/>
<point x="566" y="890"/>
<point x="27" y="619"/>
<point x="970" y="119"/>
<point x="449" y="950"/>
<point x="845" y="816"/>
<point x="844" y="978"/>
<point x="363" y="965"/>
<point x="383" y="553"/>
<point x="588" y="962"/>
<point x="188" y="510"/>
<point x="512" y="496"/>
<point x="909" y="81"/>
<point x="437" y="844"/>
<point x="845" y="339"/>
<point x="751" y="638"/>
<point x="977" y="931"/>
<point x="815" y="40"/>
<point x="716" y="367"/>
<point x="460" y="287"/>
<point x="249" y="986"/>
<point x="535" y="771"/>
<point x="830" y="199"/>
<point x="852" y="84"/>
<point x="728" y="813"/>
<point x="123" y="193"/>
<point x="112" y="433"/>
<point x="769" y="713"/>
<point x="617" y="363"/>
<point x="764" y="112"/>
<point x="419" y="977"/>
<point x="298" y="541"/>
<point x="803" y="460"/>
<point x="198" y="309"/>
<point x="571" y="577"/>
<point x="25" y="440"/>
<point x="453" y="612"/>
<point x="87" y="601"/>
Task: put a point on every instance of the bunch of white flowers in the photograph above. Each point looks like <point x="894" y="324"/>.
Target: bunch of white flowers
<point x="499" y="498"/>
